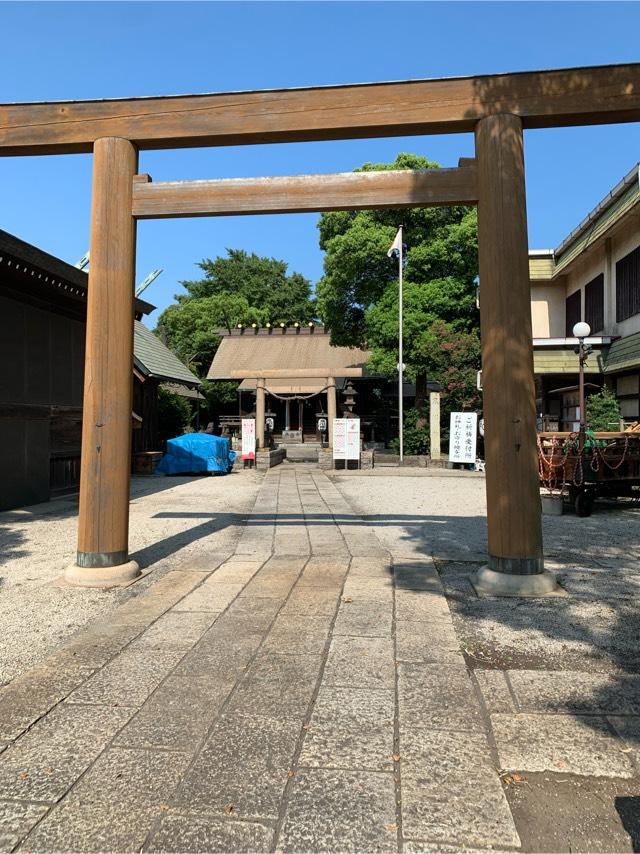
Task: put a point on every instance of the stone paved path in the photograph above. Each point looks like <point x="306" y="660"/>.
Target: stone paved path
<point x="306" y="693"/>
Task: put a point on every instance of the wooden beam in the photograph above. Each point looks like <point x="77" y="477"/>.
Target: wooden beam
<point x="290" y="373"/>
<point x="303" y="193"/>
<point x="574" y="96"/>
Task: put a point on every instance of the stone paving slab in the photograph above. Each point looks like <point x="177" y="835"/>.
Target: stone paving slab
<point x="417" y="575"/>
<point x="277" y="686"/>
<point x="236" y="571"/>
<point x="569" y="692"/>
<point x="312" y="601"/>
<point x="437" y="697"/>
<point x="495" y="691"/>
<point x="180" y="629"/>
<point x="52" y="755"/>
<point x="570" y="744"/>
<point x="378" y="590"/>
<point x="340" y="811"/>
<point x="178" y="715"/>
<point x="350" y="729"/>
<point x="246" y="616"/>
<point x="420" y="605"/>
<point x="364" y="619"/>
<point x="30" y="696"/>
<point x="298" y="635"/>
<point x="115" y="804"/>
<point x="210" y="596"/>
<point x="360" y="662"/>
<point x="323" y="572"/>
<point x="427" y="643"/>
<point x="221" y="654"/>
<point x="16" y="820"/>
<point x="128" y="679"/>
<point x="204" y="833"/>
<point x="244" y="766"/>
<point x="451" y="791"/>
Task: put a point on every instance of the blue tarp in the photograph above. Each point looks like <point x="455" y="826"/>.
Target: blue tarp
<point x="196" y="452"/>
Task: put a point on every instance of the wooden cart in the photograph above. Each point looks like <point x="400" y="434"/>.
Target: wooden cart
<point x="584" y="468"/>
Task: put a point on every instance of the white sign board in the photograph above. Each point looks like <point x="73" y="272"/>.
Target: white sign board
<point x="248" y="438"/>
<point x="462" y="437"/>
<point x="346" y="438"/>
<point x="339" y="438"/>
<point x="353" y="438"/>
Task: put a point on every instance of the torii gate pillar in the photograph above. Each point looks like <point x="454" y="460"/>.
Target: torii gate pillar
<point x="103" y="527"/>
<point x="514" y="522"/>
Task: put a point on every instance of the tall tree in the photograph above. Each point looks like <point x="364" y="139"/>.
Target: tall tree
<point x="358" y="293"/>
<point x="241" y="288"/>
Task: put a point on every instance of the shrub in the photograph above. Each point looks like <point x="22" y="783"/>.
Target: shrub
<point x="603" y="411"/>
<point x="416" y="439"/>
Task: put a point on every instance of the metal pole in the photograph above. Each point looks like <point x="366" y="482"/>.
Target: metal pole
<point x="583" y="420"/>
<point x="400" y="365"/>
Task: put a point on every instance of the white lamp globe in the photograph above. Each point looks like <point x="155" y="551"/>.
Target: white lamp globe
<point x="582" y="330"/>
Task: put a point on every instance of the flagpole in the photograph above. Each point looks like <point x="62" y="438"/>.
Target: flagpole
<point x="400" y="348"/>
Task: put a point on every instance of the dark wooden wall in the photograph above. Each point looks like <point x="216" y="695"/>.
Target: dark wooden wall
<point x="41" y="370"/>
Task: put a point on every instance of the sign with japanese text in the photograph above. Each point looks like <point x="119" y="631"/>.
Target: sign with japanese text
<point x="248" y="439"/>
<point x="462" y="437"/>
<point x="339" y="438"/>
<point x="346" y="438"/>
<point x="353" y="438"/>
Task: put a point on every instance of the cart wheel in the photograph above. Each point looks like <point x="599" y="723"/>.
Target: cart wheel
<point x="583" y="504"/>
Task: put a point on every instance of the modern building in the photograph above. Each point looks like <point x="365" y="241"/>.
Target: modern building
<point x="593" y="275"/>
<point x="42" y="334"/>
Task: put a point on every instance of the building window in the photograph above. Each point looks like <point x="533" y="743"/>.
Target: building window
<point x="594" y="303"/>
<point x="628" y="285"/>
<point x="573" y="312"/>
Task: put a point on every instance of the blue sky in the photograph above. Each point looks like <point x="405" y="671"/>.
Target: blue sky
<point x="99" y="50"/>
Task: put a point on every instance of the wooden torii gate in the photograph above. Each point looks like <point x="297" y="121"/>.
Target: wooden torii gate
<point x="496" y="108"/>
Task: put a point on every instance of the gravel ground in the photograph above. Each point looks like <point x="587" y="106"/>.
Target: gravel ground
<point x="172" y="519"/>
<point x="445" y="517"/>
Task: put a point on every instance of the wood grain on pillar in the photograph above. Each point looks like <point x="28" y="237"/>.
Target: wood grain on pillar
<point x="106" y="434"/>
<point x="513" y="497"/>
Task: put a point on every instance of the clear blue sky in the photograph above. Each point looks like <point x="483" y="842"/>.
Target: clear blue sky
<point x="99" y="50"/>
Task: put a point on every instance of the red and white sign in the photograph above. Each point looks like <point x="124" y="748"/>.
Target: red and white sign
<point x="248" y="438"/>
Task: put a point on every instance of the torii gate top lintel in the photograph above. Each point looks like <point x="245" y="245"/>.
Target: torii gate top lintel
<point x="554" y="98"/>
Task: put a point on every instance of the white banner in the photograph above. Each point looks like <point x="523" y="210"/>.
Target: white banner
<point x="248" y="438"/>
<point x="462" y="437"/>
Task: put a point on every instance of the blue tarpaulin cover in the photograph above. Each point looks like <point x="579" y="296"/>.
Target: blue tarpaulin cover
<point x="197" y="452"/>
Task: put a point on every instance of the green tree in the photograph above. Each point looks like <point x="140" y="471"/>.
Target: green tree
<point x="189" y="326"/>
<point x="358" y="293"/>
<point x="174" y="414"/>
<point x="603" y="411"/>
<point x="263" y="282"/>
<point x="240" y="288"/>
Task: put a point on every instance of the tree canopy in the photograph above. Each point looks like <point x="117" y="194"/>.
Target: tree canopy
<point x="358" y="293"/>
<point x="240" y="288"/>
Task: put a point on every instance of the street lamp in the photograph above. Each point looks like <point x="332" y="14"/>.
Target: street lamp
<point x="581" y="331"/>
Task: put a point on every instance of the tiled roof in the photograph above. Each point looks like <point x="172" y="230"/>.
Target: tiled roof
<point x="251" y="353"/>
<point x="623" y="354"/>
<point x="154" y="359"/>
<point x="548" y="361"/>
